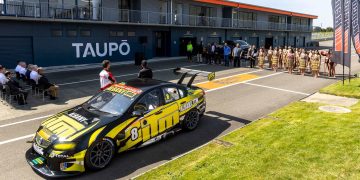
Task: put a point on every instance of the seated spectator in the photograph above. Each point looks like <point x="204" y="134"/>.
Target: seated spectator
<point x="17" y="69"/>
<point x="22" y="70"/>
<point x="28" y="71"/>
<point x="145" y="71"/>
<point x="15" y="89"/>
<point x="46" y="85"/>
<point x="3" y="79"/>
<point x="34" y="75"/>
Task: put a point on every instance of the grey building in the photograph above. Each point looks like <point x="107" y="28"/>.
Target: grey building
<point x="63" y="32"/>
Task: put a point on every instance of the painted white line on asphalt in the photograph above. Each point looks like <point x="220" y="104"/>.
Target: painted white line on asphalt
<point x="124" y="75"/>
<point x="262" y="77"/>
<point x="279" y="89"/>
<point x="24" y="121"/>
<point x="16" y="139"/>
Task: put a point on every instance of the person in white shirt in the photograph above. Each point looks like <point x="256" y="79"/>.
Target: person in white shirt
<point x="18" y="66"/>
<point x="17" y="69"/>
<point x="106" y="77"/>
<point x="34" y="75"/>
<point x="22" y="69"/>
<point x="3" y="79"/>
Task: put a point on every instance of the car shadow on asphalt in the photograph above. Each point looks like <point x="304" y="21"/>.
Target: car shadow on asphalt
<point x="212" y="125"/>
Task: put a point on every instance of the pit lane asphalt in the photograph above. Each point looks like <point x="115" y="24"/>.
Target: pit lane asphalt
<point x="227" y="109"/>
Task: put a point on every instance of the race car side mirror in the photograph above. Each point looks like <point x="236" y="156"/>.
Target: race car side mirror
<point x="137" y="113"/>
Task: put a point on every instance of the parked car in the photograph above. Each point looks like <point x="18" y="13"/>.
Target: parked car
<point x="125" y="116"/>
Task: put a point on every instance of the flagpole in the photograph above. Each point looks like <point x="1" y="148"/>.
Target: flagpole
<point x="349" y="74"/>
<point x="343" y="63"/>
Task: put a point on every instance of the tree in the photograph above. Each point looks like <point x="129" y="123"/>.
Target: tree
<point x="329" y="29"/>
<point x="316" y="29"/>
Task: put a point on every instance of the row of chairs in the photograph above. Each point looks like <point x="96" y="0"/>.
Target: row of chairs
<point x="8" y="96"/>
<point x="28" y="84"/>
<point x="35" y="89"/>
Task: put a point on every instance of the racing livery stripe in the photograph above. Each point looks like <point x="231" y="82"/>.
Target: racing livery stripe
<point x="95" y="135"/>
<point x="119" y="128"/>
<point x="77" y="134"/>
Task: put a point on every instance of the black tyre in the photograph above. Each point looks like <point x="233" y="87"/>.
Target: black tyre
<point x="191" y="120"/>
<point x="100" y="154"/>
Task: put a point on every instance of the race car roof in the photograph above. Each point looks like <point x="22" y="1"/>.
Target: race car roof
<point x="145" y="84"/>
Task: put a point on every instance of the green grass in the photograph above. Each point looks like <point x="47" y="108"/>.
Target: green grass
<point x="351" y="89"/>
<point x="298" y="141"/>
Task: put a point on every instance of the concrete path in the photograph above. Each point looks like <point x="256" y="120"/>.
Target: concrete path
<point x="331" y="100"/>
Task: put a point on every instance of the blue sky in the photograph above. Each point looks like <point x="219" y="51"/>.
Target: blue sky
<point x="321" y="8"/>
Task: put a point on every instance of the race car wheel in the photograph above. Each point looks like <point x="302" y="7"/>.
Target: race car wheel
<point x="191" y="120"/>
<point x="99" y="154"/>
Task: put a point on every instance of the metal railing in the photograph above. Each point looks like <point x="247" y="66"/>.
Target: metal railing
<point x="43" y="10"/>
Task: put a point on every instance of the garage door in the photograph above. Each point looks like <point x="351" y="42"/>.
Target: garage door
<point x="13" y="49"/>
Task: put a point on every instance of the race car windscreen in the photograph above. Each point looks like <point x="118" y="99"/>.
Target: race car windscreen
<point x="114" y="100"/>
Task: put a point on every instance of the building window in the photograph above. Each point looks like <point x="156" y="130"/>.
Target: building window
<point x="201" y="15"/>
<point x="56" y="33"/>
<point x="131" y="34"/>
<point x="71" y="33"/>
<point x="277" y="19"/>
<point x="85" y="33"/>
<point x="89" y="9"/>
<point x="116" y="33"/>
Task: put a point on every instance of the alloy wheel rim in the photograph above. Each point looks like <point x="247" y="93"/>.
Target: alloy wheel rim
<point x="101" y="154"/>
<point x="192" y="120"/>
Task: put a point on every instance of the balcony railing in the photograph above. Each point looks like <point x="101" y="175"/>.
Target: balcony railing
<point x="39" y="10"/>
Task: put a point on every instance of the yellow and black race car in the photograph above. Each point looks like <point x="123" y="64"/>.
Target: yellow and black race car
<point x="125" y="116"/>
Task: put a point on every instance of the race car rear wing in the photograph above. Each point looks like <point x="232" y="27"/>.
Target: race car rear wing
<point x="194" y="73"/>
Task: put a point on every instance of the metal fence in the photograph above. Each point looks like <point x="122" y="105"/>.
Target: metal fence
<point x="43" y="10"/>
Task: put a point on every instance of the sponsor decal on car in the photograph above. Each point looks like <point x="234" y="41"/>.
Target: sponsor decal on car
<point x="54" y="155"/>
<point x="78" y="117"/>
<point x="124" y="90"/>
<point x="188" y="105"/>
<point x="37" y="161"/>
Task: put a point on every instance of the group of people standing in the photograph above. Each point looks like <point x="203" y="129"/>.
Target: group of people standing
<point x="291" y="59"/>
<point x="286" y="58"/>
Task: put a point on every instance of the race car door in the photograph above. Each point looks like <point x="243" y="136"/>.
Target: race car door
<point x="150" y="104"/>
<point x="171" y="109"/>
<point x="160" y="118"/>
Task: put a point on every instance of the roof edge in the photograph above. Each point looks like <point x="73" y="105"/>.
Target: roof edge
<point x="257" y="8"/>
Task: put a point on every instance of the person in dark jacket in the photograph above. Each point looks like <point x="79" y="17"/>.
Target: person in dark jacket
<point x="199" y="51"/>
<point x="28" y="71"/>
<point x="15" y="89"/>
<point x="145" y="71"/>
<point x="46" y="85"/>
<point x="252" y="56"/>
